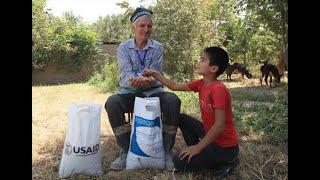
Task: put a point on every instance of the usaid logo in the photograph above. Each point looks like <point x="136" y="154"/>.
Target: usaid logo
<point x="81" y="151"/>
<point x="68" y="149"/>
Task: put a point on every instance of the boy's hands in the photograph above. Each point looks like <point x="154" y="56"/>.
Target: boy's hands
<point x="149" y="72"/>
<point x="189" y="151"/>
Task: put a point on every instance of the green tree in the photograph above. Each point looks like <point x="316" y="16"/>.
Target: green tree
<point x="252" y="39"/>
<point x="274" y="15"/>
<point x="41" y="35"/>
<point x="224" y="18"/>
<point x="115" y="28"/>
<point x="75" y="43"/>
<point x="67" y="40"/>
<point x="184" y="28"/>
<point x="263" y="46"/>
<point x="244" y="31"/>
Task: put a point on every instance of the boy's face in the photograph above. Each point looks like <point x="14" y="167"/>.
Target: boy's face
<point x="204" y="68"/>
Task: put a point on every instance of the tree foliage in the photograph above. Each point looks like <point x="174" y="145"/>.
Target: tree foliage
<point x="271" y="14"/>
<point x="184" y="28"/>
<point x="66" y="40"/>
<point x="114" y="28"/>
<point x="250" y="30"/>
<point x="41" y="35"/>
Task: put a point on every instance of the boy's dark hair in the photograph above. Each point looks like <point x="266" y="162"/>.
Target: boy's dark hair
<point x="218" y="57"/>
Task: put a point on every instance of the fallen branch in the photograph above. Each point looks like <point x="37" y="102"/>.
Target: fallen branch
<point x="265" y="165"/>
<point x="256" y="175"/>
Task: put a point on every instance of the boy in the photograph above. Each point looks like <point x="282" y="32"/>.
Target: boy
<point x="214" y="142"/>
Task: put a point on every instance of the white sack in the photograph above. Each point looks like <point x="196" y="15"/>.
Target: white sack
<point x="146" y="144"/>
<point x="81" y="153"/>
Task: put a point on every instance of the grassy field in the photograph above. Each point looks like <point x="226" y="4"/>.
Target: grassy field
<point x="261" y="156"/>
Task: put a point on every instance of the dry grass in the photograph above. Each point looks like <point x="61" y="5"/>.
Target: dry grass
<point x="49" y="122"/>
<point x="259" y="160"/>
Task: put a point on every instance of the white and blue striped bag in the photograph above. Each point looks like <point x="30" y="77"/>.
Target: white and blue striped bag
<point x="146" y="143"/>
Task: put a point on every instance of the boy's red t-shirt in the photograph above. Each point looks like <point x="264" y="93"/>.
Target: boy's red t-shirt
<point x="216" y="95"/>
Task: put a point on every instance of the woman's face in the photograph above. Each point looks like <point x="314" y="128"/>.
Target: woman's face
<point x="142" y="28"/>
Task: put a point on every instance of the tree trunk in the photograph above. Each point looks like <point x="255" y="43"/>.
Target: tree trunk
<point x="191" y="72"/>
<point x="284" y="33"/>
<point x="244" y="59"/>
<point x="172" y="68"/>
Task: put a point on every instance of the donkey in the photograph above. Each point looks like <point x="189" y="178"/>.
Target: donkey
<point x="268" y="69"/>
<point x="237" y="67"/>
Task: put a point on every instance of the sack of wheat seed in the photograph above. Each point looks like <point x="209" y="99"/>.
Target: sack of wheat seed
<point x="146" y="143"/>
<point x="81" y="153"/>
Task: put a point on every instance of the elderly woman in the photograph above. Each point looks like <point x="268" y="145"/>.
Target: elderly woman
<point x="133" y="56"/>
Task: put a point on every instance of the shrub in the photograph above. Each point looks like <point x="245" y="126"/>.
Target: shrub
<point x="108" y="79"/>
